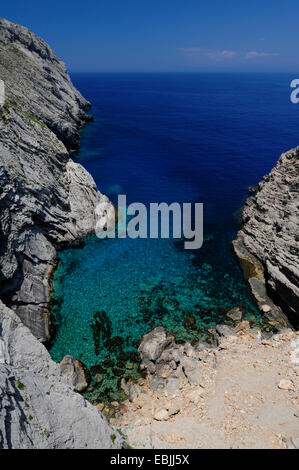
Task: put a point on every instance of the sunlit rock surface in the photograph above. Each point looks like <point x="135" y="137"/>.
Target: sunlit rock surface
<point x="267" y="245"/>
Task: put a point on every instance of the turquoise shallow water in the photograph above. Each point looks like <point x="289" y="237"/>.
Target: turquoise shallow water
<point x="165" y="138"/>
<point x="132" y="286"/>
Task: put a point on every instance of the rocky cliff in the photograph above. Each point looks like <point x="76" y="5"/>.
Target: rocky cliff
<point x="46" y="199"/>
<point x="268" y="243"/>
<point x="37" y="408"/>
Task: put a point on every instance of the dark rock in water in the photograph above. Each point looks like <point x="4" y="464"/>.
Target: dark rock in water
<point x="108" y="363"/>
<point x="101" y="329"/>
<point x="267" y="245"/>
<point x="117" y="372"/>
<point x="96" y="369"/>
<point x="75" y="373"/>
<point x="237" y="215"/>
<point x="252" y="189"/>
<point x="114" y="343"/>
<point x="190" y="322"/>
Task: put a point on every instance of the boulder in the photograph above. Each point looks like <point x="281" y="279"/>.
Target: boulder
<point x="75" y="373"/>
<point x="152" y="344"/>
<point x="220" y="333"/>
<point x="235" y="314"/>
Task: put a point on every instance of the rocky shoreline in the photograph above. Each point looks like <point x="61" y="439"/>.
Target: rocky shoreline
<point x="47" y="201"/>
<point x="241" y="393"/>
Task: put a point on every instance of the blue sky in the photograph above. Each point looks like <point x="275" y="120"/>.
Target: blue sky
<point x="166" y="35"/>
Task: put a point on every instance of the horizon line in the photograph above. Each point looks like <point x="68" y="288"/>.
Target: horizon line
<point x="184" y="72"/>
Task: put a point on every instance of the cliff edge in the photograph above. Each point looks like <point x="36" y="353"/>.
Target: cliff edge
<point x="46" y="199"/>
<point x="268" y="244"/>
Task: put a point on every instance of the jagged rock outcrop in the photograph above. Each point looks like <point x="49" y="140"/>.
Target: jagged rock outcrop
<point x="267" y="245"/>
<point x="167" y="362"/>
<point x="37" y="408"/>
<point x="75" y="373"/>
<point x="46" y="199"/>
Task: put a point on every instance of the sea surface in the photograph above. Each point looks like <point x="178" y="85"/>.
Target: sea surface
<point x="166" y="138"/>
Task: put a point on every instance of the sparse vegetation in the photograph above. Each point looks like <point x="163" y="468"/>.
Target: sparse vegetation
<point x="20" y="385"/>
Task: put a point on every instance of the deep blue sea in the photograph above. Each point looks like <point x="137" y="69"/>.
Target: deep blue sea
<point x="166" y="138"/>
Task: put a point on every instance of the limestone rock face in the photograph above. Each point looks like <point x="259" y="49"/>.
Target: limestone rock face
<point x="37" y="408"/>
<point x="46" y="199"/>
<point x="268" y="244"/>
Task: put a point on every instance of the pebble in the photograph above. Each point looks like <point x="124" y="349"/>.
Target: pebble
<point x="123" y="409"/>
<point x="285" y="384"/>
<point x="161" y="415"/>
<point x="265" y="308"/>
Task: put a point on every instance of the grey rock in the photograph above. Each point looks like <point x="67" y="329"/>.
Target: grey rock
<point x="191" y="368"/>
<point x="201" y="346"/>
<point x="131" y="389"/>
<point x="221" y="333"/>
<point x="268" y="244"/>
<point x="172" y="385"/>
<point x="171" y="353"/>
<point x="293" y="443"/>
<point x="270" y="310"/>
<point x="149" y="365"/>
<point x="37" y="408"/>
<point x="152" y="344"/>
<point x="157" y="384"/>
<point x="75" y="373"/>
<point x="235" y="314"/>
<point x="46" y="199"/>
<point x="164" y="371"/>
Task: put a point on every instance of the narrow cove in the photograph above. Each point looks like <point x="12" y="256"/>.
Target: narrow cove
<point x="152" y="140"/>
